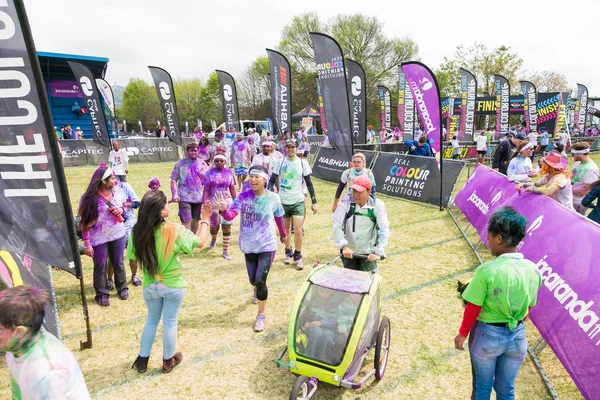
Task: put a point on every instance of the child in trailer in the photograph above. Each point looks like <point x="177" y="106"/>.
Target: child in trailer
<point x="499" y="297"/>
<point x="321" y="323"/>
<point x="260" y="211"/>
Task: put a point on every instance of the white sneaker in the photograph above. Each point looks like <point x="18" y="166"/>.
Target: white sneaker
<point x="259" y="324"/>
<point x="299" y="264"/>
<point x="287" y="259"/>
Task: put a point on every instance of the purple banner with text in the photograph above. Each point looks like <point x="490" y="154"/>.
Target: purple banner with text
<point x="563" y="245"/>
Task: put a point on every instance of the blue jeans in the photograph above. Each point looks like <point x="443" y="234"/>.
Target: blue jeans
<point x="165" y="301"/>
<point x="320" y="343"/>
<point x="496" y="356"/>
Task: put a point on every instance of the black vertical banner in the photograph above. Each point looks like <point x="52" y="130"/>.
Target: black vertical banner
<point x="385" y="104"/>
<point x="166" y="97"/>
<point x="357" y="98"/>
<point x="529" y="105"/>
<point x="281" y="91"/>
<point x="502" y="105"/>
<point x="331" y="73"/>
<point x="36" y="220"/>
<point x="468" y="91"/>
<point x="87" y="84"/>
<point x="229" y="98"/>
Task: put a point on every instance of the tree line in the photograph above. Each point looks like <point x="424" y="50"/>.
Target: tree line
<point x="362" y="39"/>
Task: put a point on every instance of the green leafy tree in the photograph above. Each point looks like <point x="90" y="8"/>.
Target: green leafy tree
<point x="187" y="95"/>
<point x="362" y="39"/>
<point x="484" y="64"/>
<point x="140" y="102"/>
<point x="210" y="101"/>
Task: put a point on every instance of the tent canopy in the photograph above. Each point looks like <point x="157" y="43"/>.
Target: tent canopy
<point x="308" y="111"/>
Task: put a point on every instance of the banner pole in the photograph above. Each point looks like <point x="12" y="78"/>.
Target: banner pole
<point x="88" y="344"/>
<point x="60" y="174"/>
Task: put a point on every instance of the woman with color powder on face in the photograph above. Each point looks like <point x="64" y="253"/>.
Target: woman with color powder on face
<point x="219" y="180"/>
<point x="205" y="151"/>
<point x="156" y="245"/>
<point x="499" y="298"/>
<point x="103" y="229"/>
<point x="260" y="211"/>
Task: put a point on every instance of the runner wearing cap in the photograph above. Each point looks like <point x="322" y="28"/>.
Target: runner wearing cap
<point x="186" y="187"/>
<point x="504" y="152"/>
<point x="219" y="146"/>
<point x="556" y="181"/>
<point x="585" y="174"/>
<point x="290" y="171"/>
<point x="240" y="159"/>
<point x="520" y="168"/>
<point x="260" y="211"/>
<point x="359" y="162"/>
<point x="219" y="181"/>
<point x="360" y="225"/>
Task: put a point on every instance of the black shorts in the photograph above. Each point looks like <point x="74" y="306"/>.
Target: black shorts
<point x="481" y="152"/>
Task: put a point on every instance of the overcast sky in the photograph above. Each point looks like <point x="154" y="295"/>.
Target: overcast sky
<point x="193" y="38"/>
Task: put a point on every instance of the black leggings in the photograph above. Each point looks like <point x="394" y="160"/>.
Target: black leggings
<point x="258" y="266"/>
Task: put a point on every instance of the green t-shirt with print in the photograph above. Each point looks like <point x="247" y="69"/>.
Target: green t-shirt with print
<point x="171" y="239"/>
<point x="505" y="288"/>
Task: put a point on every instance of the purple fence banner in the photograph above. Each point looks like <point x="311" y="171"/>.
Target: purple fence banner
<point x="65" y="89"/>
<point x="563" y="245"/>
<point x="483" y="193"/>
<point x="425" y="92"/>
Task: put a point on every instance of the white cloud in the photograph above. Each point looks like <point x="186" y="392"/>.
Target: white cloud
<point x="196" y="37"/>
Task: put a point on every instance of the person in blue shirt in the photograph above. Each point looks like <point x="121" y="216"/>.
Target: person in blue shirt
<point x="588" y="201"/>
<point x="420" y="148"/>
<point x="544" y="140"/>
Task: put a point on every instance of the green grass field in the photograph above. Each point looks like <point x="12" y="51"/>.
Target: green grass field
<point x="225" y="359"/>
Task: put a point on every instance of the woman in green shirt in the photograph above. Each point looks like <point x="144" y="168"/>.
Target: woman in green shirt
<point x="156" y="244"/>
<point x="498" y="300"/>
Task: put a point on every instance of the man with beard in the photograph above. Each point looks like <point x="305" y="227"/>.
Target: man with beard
<point x="186" y="187"/>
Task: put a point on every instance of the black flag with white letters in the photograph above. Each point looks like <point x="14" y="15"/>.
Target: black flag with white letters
<point x="357" y="98"/>
<point x="87" y="83"/>
<point x="36" y="221"/>
<point x="281" y="92"/>
<point x="166" y="97"/>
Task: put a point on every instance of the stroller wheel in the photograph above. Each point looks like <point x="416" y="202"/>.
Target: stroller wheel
<point x="382" y="348"/>
<point x="301" y="389"/>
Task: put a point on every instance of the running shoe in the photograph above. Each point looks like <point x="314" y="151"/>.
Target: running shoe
<point x="213" y="243"/>
<point x="287" y="259"/>
<point x="254" y="299"/>
<point x="124" y="294"/>
<point x="102" y="300"/>
<point x="226" y="255"/>
<point x="136" y="280"/>
<point x="298" y="261"/>
<point x="259" y="324"/>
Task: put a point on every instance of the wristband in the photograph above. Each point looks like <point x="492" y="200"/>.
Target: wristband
<point x="204" y="222"/>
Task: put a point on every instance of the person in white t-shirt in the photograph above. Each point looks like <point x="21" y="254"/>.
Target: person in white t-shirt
<point x="265" y="158"/>
<point x="118" y="161"/>
<point x="481" y="141"/>
<point x="292" y="172"/>
<point x="40" y="365"/>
